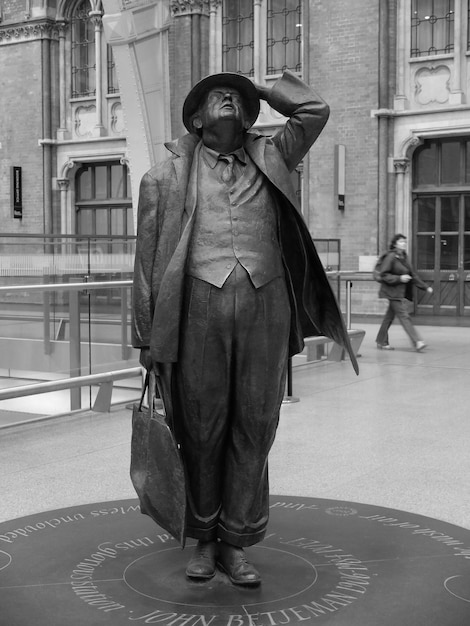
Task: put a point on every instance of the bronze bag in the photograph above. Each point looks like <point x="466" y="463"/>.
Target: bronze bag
<point x="157" y="470"/>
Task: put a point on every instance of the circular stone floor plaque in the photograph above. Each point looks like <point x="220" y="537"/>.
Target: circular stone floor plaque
<point x="322" y="562"/>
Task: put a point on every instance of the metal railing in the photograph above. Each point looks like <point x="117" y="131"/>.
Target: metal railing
<point x="102" y="403"/>
<point x="69" y="324"/>
<point x="348" y="278"/>
<point x="66" y="350"/>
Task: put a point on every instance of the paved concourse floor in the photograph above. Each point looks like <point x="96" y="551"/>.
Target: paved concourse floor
<point x="397" y="436"/>
<point x="369" y="521"/>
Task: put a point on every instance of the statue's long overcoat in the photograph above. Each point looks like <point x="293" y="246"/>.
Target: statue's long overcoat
<point x="166" y="216"/>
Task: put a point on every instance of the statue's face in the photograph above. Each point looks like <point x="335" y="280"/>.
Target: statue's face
<point x="222" y="104"/>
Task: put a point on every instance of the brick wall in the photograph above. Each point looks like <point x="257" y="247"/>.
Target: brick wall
<point x="20" y="129"/>
<point x="344" y="56"/>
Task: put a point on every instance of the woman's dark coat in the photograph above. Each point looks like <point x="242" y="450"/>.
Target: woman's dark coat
<point x="393" y="266"/>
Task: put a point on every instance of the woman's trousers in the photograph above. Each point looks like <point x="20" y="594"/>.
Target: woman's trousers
<point x="400" y="309"/>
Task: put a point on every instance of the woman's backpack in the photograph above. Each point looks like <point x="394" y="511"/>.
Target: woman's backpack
<point x="378" y="268"/>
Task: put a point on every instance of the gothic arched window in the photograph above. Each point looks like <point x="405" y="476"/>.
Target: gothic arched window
<point x="271" y="27"/>
<point x="83" y="52"/>
<point x="284" y="41"/>
<point x="432" y="27"/>
<point x="84" y="44"/>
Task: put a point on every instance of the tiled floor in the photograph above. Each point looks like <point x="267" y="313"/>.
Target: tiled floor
<point x="396" y="436"/>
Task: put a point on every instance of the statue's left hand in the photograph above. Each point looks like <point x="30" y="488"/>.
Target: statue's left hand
<point x="145" y="359"/>
<point x="263" y="91"/>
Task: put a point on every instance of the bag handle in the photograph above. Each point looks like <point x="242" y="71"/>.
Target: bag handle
<point x="144" y="390"/>
<point x="150" y="384"/>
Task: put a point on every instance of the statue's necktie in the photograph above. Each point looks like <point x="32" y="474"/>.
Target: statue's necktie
<point x="227" y="172"/>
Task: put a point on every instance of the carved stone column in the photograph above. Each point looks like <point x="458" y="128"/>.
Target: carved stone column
<point x="456" y="94"/>
<point x="402" y="196"/>
<point x="47" y="128"/>
<point x="96" y="20"/>
<point x="65" y="226"/>
<point x="257" y="41"/>
<point x="215" y="37"/>
<point x="62" y="130"/>
<point x="401" y="101"/>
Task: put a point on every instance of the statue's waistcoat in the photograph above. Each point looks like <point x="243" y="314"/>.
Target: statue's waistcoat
<point x="234" y="223"/>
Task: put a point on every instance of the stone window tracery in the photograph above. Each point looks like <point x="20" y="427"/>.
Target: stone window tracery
<point x="89" y="52"/>
<point x="83" y="68"/>
<point x="238" y="37"/>
<point x="284" y="40"/>
<point x="432" y="27"/>
<point x="261" y="37"/>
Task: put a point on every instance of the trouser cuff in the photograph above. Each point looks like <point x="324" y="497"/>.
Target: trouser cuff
<point x="202" y="534"/>
<point x="240" y="540"/>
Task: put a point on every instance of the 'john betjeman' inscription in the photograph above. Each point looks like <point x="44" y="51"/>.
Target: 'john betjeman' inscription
<point x="131" y="573"/>
<point x="351" y="582"/>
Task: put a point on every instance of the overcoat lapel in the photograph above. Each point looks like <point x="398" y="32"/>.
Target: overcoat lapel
<point x="168" y="307"/>
<point x="183" y="151"/>
<point x="266" y="157"/>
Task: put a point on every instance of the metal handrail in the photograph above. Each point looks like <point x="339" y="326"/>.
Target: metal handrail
<point x="68" y="383"/>
<point x="68" y="286"/>
<point x="102" y="402"/>
<point x="60" y="236"/>
<point x="104" y="380"/>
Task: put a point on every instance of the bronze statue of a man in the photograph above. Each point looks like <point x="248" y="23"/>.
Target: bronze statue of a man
<point x="227" y="284"/>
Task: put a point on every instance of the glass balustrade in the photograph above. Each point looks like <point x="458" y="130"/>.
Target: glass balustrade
<point x="65" y="313"/>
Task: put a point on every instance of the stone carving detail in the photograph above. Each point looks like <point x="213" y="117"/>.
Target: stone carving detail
<point x="68" y="165"/>
<point x="85" y="120"/>
<point x="408" y="145"/>
<point x="63" y="184"/>
<point x="62" y="27"/>
<point x="127" y="4"/>
<point x="432" y="84"/>
<point x="96" y="19"/>
<point x="401" y="166"/>
<point x="96" y="6"/>
<point x="42" y="30"/>
<point x="117" y="118"/>
<point x="189" y="7"/>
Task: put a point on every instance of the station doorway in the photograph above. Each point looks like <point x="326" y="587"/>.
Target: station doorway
<point x="441" y="225"/>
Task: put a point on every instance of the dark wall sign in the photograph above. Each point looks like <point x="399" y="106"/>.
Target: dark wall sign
<point x="17" y="192"/>
<point x="340" y="176"/>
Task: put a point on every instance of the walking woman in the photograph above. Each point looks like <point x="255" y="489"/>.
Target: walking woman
<point x="397" y="278"/>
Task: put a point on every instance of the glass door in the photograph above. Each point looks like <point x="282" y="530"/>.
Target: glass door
<point x="441" y="224"/>
<point x="442" y="252"/>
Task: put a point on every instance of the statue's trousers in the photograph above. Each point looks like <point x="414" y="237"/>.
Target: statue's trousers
<point x="230" y="378"/>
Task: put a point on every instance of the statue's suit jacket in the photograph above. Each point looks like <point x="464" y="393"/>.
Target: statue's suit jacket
<point x="166" y="217"/>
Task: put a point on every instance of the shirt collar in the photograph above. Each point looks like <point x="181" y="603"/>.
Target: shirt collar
<point x="212" y="156"/>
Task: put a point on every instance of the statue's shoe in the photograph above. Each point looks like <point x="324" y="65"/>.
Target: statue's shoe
<point x="202" y="563"/>
<point x="233" y="562"/>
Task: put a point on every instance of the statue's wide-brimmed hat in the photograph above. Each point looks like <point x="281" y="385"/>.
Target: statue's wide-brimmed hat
<point x="243" y="85"/>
